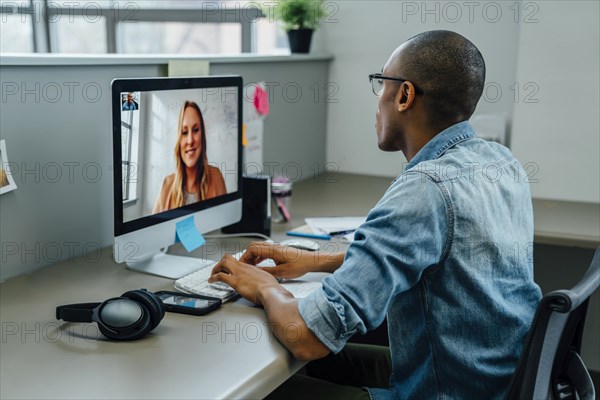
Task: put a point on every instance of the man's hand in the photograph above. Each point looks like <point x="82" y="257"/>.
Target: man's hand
<point x="290" y="262"/>
<point x="250" y="282"/>
<point x="281" y="307"/>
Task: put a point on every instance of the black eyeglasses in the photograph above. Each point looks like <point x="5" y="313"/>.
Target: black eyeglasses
<point x="377" y="83"/>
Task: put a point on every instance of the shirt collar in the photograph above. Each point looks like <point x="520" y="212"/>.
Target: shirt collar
<point x="442" y="142"/>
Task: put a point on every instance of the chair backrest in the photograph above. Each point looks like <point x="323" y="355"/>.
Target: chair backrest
<point x="550" y="367"/>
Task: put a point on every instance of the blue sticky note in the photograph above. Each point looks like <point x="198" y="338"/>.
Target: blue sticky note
<point x="188" y="234"/>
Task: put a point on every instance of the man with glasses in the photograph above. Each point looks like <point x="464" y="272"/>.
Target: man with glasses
<point x="445" y="255"/>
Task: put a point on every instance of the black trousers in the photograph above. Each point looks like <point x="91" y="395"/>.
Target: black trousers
<point x="340" y="376"/>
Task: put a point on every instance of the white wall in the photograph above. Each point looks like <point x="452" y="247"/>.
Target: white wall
<point x="560" y="134"/>
<point x="362" y="34"/>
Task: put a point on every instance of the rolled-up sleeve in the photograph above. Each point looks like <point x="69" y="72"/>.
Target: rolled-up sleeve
<point x="324" y="320"/>
<point x="406" y="233"/>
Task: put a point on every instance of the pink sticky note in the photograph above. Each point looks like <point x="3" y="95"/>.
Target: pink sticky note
<point x="261" y="101"/>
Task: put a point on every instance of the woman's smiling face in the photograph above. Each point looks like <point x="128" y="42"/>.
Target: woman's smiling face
<point x="190" y="141"/>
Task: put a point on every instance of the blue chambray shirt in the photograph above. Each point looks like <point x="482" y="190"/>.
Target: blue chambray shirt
<point x="446" y="255"/>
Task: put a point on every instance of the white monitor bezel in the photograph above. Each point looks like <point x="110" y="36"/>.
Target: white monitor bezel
<point x="135" y="239"/>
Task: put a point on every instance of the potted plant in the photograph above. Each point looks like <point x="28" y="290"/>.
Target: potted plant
<point x="300" y="19"/>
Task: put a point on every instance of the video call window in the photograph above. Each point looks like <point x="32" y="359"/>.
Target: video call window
<point x="179" y="147"/>
<point x="130" y="101"/>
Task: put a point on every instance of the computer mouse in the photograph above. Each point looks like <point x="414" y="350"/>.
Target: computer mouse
<point x="301" y="244"/>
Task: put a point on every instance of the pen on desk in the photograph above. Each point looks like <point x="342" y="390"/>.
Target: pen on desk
<point x="282" y="210"/>
<point x="308" y="235"/>
<point x="336" y="233"/>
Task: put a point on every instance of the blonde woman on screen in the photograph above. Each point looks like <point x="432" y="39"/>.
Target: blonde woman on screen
<point x="194" y="180"/>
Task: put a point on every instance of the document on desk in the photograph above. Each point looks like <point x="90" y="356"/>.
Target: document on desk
<point x="300" y="288"/>
<point x="335" y="226"/>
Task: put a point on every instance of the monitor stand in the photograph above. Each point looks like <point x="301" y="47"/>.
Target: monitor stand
<point x="167" y="265"/>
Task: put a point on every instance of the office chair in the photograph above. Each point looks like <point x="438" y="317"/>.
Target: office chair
<point x="550" y="367"/>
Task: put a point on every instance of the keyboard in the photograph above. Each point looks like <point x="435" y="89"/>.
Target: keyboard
<point x="197" y="283"/>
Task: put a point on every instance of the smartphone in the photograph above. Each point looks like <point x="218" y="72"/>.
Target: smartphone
<point x="188" y="303"/>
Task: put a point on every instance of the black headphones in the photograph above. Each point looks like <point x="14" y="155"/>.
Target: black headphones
<point x="128" y="317"/>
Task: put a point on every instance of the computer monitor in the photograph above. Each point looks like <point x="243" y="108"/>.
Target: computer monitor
<point x="177" y="153"/>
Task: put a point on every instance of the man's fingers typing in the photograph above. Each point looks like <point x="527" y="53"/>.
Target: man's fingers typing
<point x="227" y="265"/>
<point x="222" y="277"/>
<point x="258" y="251"/>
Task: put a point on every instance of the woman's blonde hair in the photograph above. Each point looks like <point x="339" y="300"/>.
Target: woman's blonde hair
<point x="176" y="196"/>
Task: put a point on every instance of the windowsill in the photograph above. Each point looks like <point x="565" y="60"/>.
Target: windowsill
<point x="137" y="59"/>
<point x="129" y="203"/>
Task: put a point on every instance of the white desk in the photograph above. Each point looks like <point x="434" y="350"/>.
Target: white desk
<point x="564" y="223"/>
<point x="229" y="353"/>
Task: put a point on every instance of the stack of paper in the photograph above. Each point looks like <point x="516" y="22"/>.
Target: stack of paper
<point x="326" y="228"/>
<point x="335" y="226"/>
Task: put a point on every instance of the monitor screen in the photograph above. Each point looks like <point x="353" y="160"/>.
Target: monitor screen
<point x="177" y="152"/>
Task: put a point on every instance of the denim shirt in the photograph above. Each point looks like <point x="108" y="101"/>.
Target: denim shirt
<point x="446" y="255"/>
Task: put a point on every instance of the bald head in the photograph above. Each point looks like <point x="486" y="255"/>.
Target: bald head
<point x="448" y="68"/>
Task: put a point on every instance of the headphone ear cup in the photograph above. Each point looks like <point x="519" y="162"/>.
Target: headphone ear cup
<point x="109" y="334"/>
<point x="143" y="330"/>
<point x="152" y="303"/>
<point x="122" y="322"/>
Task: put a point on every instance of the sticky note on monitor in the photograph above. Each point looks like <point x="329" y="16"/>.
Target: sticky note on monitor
<point x="188" y="234"/>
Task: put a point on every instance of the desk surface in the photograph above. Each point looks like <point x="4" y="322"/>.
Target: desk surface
<point x="230" y="353"/>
